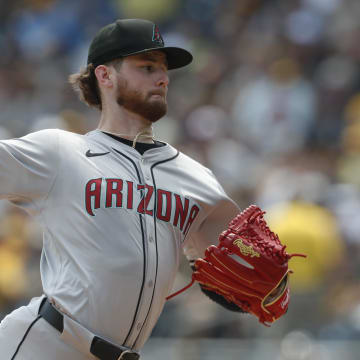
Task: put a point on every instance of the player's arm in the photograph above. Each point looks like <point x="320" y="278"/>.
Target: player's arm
<point x="209" y="230"/>
<point x="28" y="166"/>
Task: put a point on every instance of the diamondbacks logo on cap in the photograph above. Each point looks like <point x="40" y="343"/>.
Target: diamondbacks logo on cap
<point x="157" y="38"/>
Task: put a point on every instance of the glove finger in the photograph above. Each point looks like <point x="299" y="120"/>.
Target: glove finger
<point x="235" y="270"/>
<point x="263" y="260"/>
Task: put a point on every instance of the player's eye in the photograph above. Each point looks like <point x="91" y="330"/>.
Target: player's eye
<point x="149" y="68"/>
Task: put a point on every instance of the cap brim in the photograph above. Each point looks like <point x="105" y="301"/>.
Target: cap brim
<point x="176" y="57"/>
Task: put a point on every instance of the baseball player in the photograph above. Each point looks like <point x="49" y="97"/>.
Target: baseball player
<point x="116" y="206"/>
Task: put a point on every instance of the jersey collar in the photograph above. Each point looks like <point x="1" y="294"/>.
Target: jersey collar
<point x="155" y="154"/>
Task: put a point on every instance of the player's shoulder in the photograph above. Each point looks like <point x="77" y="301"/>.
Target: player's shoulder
<point x="50" y="134"/>
<point x="191" y="164"/>
<point x="51" y="140"/>
<point x="199" y="174"/>
<point x="71" y="137"/>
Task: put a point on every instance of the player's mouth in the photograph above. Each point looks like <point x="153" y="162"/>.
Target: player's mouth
<point x="157" y="94"/>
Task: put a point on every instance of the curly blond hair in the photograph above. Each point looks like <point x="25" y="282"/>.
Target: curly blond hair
<point x="85" y="84"/>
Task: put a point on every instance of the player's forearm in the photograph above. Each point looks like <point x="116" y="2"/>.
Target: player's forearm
<point x="210" y="229"/>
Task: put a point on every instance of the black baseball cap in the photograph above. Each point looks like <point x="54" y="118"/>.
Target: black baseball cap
<point x="133" y="36"/>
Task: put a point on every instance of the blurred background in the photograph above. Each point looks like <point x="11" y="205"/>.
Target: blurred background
<point x="271" y="104"/>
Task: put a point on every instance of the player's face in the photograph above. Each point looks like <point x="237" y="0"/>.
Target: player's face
<point x="143" y="84"/>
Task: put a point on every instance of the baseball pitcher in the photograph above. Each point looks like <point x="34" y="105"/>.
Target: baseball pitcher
<point x="117" y="208"/>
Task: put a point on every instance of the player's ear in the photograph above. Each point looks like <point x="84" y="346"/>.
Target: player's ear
<point x="103" y="76"/>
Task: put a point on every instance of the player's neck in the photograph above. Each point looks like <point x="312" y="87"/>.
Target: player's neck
<point x="126" y="124"/>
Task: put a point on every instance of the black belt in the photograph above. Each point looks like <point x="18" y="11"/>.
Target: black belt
<point x="99" y="347"/>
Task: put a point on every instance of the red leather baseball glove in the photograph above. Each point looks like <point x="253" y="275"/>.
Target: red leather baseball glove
<point x="249" y="267"/>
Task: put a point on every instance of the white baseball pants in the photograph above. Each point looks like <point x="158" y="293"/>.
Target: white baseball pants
<point x="25" y="337"/>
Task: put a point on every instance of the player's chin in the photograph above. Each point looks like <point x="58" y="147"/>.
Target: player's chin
<point x="156" y="110"/>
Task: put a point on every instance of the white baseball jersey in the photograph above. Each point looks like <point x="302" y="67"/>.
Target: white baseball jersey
<point x="114" y="223"/>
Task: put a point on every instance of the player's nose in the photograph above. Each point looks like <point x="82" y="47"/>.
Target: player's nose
<point x="163" y="79"/>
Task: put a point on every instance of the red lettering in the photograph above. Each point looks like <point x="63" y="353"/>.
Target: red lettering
<point x="159" y="212"/>
<point x="93" y="195"/>
<point x="180" y="211"/>
<point x="193" y="213"/>
<point x="141" y="207"/>
<point x="130" y="191"/>
<point x="114" y="187"/>
<point x="150" y="191"/>
<point x="144" y="203"/>
<point x="183" y="216"/>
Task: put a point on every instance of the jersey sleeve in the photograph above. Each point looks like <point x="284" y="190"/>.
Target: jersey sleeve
<point x="217" y="211"/>
<point x="28" y="166"/>
<point x="210" y="229"/>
